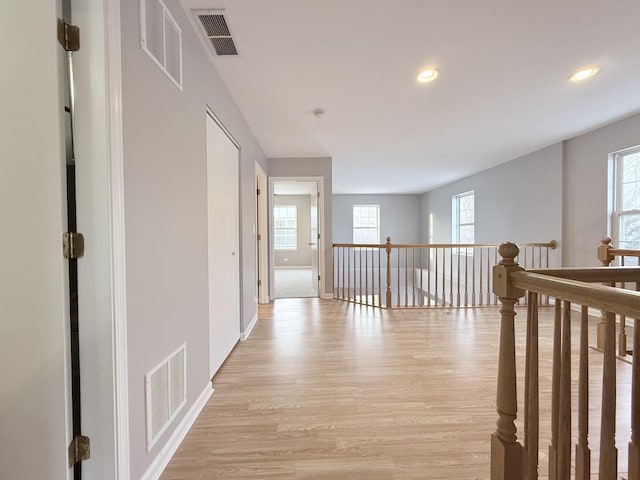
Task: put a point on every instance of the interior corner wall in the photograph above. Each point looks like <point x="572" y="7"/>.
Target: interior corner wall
<point x="585" y="188"/>
<point x="399" y="216"/>
<point x="313" y="167"/>
<point x="166" y="214"/>
<point x="519" y="201"/>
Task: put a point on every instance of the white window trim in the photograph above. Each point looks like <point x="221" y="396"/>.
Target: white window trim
<point x="295" y="230"/>
<point x="377" y="227"/>
<point x="166" y="16"/>
<point x="616" y="194"/>
<point x="455" y="221"/>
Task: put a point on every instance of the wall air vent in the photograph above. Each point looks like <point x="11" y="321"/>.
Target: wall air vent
<point x="166" y="393"/>
<point x="215" y="28"/>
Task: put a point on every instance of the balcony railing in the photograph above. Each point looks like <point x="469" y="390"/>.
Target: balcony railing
<point x="570" y="288"/>
<point x="609" y="256"/>
<point x="425" y="275"/>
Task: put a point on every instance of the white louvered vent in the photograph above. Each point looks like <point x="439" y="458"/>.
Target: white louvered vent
<point x="213" y="24"/>
<point x="161" y="38"/>
<point x="166" y="393"/>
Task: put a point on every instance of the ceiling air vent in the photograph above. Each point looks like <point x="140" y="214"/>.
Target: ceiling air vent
<point x="214" y="26"/>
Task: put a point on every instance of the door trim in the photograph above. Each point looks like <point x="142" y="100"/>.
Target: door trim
<point x="262" y="247"/>
<point x="321" y="230"/>
<point x="113" y="73"/>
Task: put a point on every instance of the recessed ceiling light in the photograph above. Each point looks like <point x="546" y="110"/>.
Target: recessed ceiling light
<point x="583" y="74"/>
<point x="427" y="75"/>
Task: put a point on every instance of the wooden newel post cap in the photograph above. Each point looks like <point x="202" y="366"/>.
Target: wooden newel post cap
<point x="502" y="287"/>
<point x="508" y="251"/>
<point x="603" y="251"/>
<point x="388" y="246"/>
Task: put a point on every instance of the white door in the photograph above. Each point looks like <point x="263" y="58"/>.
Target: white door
<point x="313" y="240"/>
<point x="34" y="398"/>
<point x="223" y="229"/>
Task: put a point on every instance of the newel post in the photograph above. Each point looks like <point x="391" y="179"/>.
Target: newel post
<point x="387" y="247"/>
<point x="506" y="451"/>
<point x="605" y="258"/>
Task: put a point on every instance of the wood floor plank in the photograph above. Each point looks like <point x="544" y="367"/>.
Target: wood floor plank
<point x="326" y="390"/>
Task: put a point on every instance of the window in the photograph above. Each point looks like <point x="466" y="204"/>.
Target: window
<point x="161" y="38"/>
<point x="285" y="227"/>
<point x="626" y="217"/>
<point x="366" y="224"/>
<point x="463" y="218"/>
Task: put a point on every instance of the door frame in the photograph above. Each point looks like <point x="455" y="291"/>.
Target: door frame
<point x="321" y="229"/>
<point x="100" y="26"/>
<point x="211" y="114"/>
<point x="262" y="245"/>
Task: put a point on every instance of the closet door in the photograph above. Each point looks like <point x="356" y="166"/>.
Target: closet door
<point x="223" y="244"/>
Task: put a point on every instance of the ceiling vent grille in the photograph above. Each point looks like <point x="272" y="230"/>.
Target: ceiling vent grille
<point x="215" y="27"/>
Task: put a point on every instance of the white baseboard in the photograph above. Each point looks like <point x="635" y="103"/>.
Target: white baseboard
<point x="164" y="456"/>
<point x="327" y="296"/>
<point x="247" y="331"/>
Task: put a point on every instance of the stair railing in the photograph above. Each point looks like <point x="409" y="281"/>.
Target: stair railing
<point x="424" y="275"/>
<point x="607" y="256"/>
<point x="512" y="460"/>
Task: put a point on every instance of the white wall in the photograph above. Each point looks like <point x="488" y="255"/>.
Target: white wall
<point x="312" y="167"/>
<point x="399" y="217"/>
<point x="585" y="187"/>
<point x="519" y="201"/>
<point x="559" y="192"/>
<point x="33" y="307"/>
<point x="166" y="217"/>
<point x="301" y="256"/>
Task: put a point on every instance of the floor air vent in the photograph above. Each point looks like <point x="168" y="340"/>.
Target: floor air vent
<point x="166" y="393"/>
<point x="214" y="26"/>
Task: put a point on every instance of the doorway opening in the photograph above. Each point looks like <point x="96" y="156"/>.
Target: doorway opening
<point x="295" y="238"/>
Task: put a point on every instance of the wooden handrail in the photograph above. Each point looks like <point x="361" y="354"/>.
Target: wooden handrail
<point x="607" y="254"/>
<point x="552" y="245"/>
<point x="509" y="459"/>
<point x="608" y="299"/>
<point x="593" y="274"/>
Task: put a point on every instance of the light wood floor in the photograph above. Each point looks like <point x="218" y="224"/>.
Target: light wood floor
<point x="326" y="390"/>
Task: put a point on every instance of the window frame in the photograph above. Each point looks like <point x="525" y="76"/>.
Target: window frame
<point x="456" y="224"/>
<point x="376" y="228"/>
<point x="294" y="228"/>
<point x="617" y="213"/>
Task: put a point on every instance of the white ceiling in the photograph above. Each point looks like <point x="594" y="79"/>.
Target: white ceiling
<point x="502" y="90"/>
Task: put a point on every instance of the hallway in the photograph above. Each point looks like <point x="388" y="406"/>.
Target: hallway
<point x="326" y="390"/>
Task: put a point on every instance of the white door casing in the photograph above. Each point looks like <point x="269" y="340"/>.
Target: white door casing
<point x="223" y="241"/>
<point x="262" y="244"/>
<point x="321" y="254"/>
<point x="314" y="241"/>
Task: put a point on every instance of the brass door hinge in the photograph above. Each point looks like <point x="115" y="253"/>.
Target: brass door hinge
<point x="259" y="283"/>
<point x="72" y="245"/>
<point x="79" y="450"/>
<point x="258" y="191"/>
<point x="68" y="36"/>
<point x="318" y="277"/>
